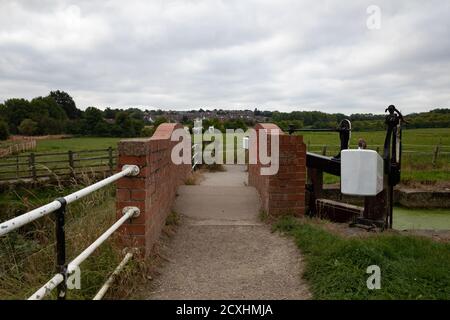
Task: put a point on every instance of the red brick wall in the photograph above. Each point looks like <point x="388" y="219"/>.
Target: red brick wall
<point x="153" y="190"/>
<point x="284" y="192"/>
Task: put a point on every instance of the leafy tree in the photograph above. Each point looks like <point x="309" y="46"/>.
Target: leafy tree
<point x="102" y="129"/>
<point x="235" y="124"/>
<point x="115" y="131"/>
<point x="4" y="130"/>
<point x="65" y="101"/>
<point x="76" y="126"/>
<point x="147" y="131"/>
<point x="159" y="120"/>
<point x="136" y="114"/>
<point x="28" y="127"/>
<point x="110" y="113"/>
<point x="216" y="123"/>
<point x="130" y="127"/>
<point x="46" y="106"/>
<point x="93" y="116"/>
<point x="48" y="125"/>
<point x="16" y="111"/>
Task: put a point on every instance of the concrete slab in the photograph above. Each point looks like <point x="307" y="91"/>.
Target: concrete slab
<point x="235" y="175"/>
<point x="218" y="203"/>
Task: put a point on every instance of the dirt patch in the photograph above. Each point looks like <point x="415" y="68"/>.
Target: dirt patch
<point x="158" y="258"/>
<point x="195" y="178"/>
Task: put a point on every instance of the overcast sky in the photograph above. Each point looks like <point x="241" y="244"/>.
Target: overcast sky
<point x="274" y="55"/>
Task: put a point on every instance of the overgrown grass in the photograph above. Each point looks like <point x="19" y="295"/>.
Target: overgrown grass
<point x="411" y="267"/>
<point x="27" y="256"/>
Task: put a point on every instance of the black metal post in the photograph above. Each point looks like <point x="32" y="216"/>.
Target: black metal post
<point x="61" y="248"/>
<point x="392" y="156"/>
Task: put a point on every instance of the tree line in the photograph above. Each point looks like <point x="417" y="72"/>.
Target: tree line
<point x="437" y="118"/>
<point x="57" y="113"/>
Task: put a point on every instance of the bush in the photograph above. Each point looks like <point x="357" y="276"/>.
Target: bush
<point x="28" y="127"/>
<point x="147" y="131"/>
<point x="4" y="130"/>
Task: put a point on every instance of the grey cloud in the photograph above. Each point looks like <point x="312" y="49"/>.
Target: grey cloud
<point x="282" y="55"/>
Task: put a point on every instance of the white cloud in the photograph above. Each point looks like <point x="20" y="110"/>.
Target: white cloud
<point x="281" y="55"/>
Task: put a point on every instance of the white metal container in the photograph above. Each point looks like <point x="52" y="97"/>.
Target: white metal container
<point x="361" y="172"/>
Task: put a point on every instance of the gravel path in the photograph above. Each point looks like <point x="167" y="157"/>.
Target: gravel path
<point x="222" y="251"/>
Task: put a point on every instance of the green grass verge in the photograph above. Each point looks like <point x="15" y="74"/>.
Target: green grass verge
<point x="411" y="267"/>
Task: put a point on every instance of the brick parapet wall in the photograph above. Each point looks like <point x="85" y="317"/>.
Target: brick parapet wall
<point x="284" y="192"/>
<point x="153" y="190"/>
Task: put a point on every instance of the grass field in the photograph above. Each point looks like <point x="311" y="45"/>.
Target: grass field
<point x="335" y="266"/>
<point x="76" y="144"/>
<point x="418" y="148"/>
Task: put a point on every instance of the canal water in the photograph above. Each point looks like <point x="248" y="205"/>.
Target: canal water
<point x="428" y="219"/>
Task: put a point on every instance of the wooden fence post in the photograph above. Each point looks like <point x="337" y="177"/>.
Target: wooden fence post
<point x="435" y="156"/>
<point x="33" y="165"/>
<point x="71" y="163"/>
<point x="111" y="164"/>
<point x="324" y="150"/>
<point x="17" y="166"/>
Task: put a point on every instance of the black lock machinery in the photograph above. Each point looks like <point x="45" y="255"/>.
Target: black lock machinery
<point x="377" y="211"/>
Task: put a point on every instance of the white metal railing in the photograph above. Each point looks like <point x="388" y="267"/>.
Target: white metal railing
<point x="59" y="205"/>
<point x="196" y="158"/>
<point x="101" y="293"/>
<point x="32" y="215"/>
<point x="129" y="212"/>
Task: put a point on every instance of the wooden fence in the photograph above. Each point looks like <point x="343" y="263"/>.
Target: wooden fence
<point x="59" y="164"/>
<point x="17" y="148"/>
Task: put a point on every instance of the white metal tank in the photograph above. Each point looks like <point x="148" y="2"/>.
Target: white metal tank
<point x="361" y="172"/>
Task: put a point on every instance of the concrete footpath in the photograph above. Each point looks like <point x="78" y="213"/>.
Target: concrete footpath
<point x="222" y="251"/>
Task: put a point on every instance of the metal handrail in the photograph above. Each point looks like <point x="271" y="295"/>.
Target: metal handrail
<point x="129" y="212"/>
<point x="101" y="293"/>
<point x="59" y="207"/>
<point x="32" y="215"/>
<point x="194" y="157"/>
